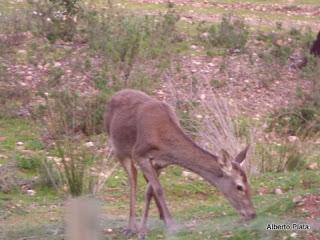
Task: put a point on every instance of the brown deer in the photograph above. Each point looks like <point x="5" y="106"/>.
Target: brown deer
<point x="145" y="132"/>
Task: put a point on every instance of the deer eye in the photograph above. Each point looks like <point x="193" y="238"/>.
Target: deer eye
<point x="239" y="188"/>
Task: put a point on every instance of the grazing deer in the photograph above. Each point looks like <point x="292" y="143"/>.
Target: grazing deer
<point x="145" y="132"/>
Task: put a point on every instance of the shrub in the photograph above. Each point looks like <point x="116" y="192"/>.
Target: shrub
<point x="28" y="163"/>
<point x="72" y="114"/>
<point x="279" y="157"/>
<point x="127" y="41"/>
<point x="232" y="33"/>
<point x="71" y="122"/>
<point x="56" y="19"/>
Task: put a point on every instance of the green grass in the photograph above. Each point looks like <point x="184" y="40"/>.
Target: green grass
<point x="217" y="10"/>
<point x="315" y="2"/>
<point x="198" y="207"/>
<point x="18" y="130"/>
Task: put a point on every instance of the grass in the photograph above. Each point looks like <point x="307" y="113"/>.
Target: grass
<point x="197" y="206"/>
<point x="18" y="130"/>
<point x="315" y="2"/>
<point x="208" y="217"/>
<point x="217" y="10"/>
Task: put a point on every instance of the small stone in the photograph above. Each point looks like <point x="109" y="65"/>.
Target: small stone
<point x="297" y="200"/>
<point x="22" y="51"/>
<point x="202" y="96"/>
<point x="293" y="139"/>
<point x="31" y="192"/>
<point x="57" y="64"/>
<point x="29" y="78"/>
<point x="89" y="144"/>
<point x="278" y="191"/>
<point x="293" y="235"/>
<point x="312" y="166"/>
<point x="190" y="175"/>
<point x="19" y="143"/>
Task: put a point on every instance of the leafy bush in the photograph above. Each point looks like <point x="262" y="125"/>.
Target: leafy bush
<point x="71" y="114"/>
<point x="127" y="41"/>
<point x="302" y="119"/>
<point x="28" y="163"/>
<point x="279" y="157"/>
<point x="56" y="19"/>
<point x="71" y="122"/>
<point x="232" y="33"/>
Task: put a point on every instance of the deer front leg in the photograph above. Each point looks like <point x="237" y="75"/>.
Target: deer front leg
<point x="152" y="176"/>
<point x="132" y="178"/>
<point x="148" y="197"/>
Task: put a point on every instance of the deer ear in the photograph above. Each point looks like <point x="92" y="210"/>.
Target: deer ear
<point x="242" y="155"/>
<point x="224" y="162"/>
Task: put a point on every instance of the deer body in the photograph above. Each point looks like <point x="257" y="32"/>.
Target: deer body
<point x="146" y="132"/>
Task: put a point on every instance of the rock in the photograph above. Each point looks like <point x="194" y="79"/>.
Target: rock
<point x="57" y="64"/>
<point x="204" y="36"/>
<point x="31" y="192"/>
<point x="22" y="52"/>
<point x="19" y="143"/>
<point x="202" y="96"/>
<point x="190" y="175"/>
<point x="293" y="139"/>
<point x="293" y="235"/>
<point x="263" y="190"/>
<point x="278" y="191"/>
<point x="298" y="200"/>
<point x="89" y="144"/>
<point x="29" y="78"/>
<point x="312" y="166"/>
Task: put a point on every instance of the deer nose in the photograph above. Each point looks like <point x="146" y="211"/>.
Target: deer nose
<point x="250" y="215"/>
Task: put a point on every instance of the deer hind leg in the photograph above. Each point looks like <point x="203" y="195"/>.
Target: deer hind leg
<point x="152" y="176"/>
<point x="131" y="170"/>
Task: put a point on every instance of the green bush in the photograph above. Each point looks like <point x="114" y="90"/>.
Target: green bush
<point x="128" y="41"/>
<point x="71" y="114"/>
<point x="56" y="19"/>
<point x="28" y="163"/>
<point x="279" y="157"/>
<point x="232" y="33"/>
<point x="303" y="120"/>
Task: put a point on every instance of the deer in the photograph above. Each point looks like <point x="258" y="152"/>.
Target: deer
<point x="145" y="133"/>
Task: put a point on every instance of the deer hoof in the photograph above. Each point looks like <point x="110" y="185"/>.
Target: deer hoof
<point x="142" y="236"/>
<point x="128" y="232"/>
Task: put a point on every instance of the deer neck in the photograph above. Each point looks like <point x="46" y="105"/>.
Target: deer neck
<point x="192" y="157"/>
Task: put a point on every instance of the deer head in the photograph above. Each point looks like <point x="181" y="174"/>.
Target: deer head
<point x="234" y="185"/>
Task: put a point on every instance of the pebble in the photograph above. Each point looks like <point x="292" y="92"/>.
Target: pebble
<point x="89" y="144"/>
<point x="31" y="192"/>
<point x="278" y="191"/>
